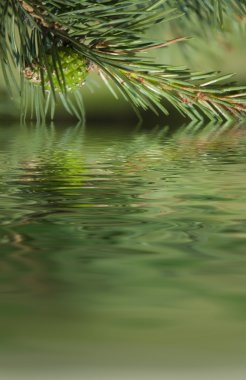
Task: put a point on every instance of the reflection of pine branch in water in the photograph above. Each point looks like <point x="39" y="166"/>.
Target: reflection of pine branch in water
<point x="72" y="182"/>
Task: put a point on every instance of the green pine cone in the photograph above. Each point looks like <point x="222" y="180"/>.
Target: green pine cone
<point x="74" y="69"/>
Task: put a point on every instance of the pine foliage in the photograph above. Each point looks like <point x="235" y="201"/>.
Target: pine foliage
<point x="55" y="44"/>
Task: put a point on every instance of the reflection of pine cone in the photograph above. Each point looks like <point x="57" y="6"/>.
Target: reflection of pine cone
<point x="74" y="69"/>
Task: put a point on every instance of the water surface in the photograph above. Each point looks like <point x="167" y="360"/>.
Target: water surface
<point x="122" y="247"/>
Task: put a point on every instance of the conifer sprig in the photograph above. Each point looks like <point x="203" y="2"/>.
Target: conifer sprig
<point x="56" y="43"/>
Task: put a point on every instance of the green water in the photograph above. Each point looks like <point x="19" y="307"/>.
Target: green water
<point x="122" y="247"/>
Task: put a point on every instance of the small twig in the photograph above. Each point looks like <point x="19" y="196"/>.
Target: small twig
<point x="141" y="50"/>
<point x="29" y="9"/>
<point x="161" y="45"/>
<point x="39" y="18"/>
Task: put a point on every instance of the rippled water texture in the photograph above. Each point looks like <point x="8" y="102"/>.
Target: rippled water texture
<point x="122" y="247"/>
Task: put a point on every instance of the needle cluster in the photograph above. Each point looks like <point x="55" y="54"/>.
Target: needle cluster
<point x="109" y="36"/>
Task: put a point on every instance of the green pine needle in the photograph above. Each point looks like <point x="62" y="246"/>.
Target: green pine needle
<point x="56" y="43"/>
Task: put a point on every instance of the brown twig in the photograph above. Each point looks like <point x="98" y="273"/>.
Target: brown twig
<point x="141" y="50"/>
<point x="29" y="9"/>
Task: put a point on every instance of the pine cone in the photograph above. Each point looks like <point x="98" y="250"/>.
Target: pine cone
<point x="74" y="70"/>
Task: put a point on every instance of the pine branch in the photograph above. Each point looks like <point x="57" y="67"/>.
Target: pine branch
<point x="55" y="44"/>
